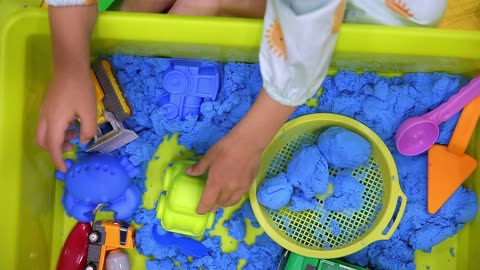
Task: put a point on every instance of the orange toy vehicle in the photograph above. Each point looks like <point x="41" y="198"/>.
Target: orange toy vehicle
<point x="107" y="237"/>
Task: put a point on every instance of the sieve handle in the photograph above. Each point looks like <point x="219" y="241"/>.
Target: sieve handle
<point x="396" y="216"/>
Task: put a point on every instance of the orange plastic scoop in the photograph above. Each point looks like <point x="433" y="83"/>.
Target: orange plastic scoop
<point x="449" y="167"/>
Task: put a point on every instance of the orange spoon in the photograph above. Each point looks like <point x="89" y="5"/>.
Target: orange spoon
<point x="449" y="167"/>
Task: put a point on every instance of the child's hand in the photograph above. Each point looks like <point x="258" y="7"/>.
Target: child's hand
<point x="71" y="94"/>
<point x="232" y="165"/>
<point x="68" y="98"/>
<point x="233" y="162"/>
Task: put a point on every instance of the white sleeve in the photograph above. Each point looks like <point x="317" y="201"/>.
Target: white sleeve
<point x="297" y="44"/>
<point x="396" y="12"/>
<point x="65" y="3"/>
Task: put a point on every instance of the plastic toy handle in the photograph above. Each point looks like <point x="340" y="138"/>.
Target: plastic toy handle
<point x="75" y="250"/>
<point x="456" y="102"/>
<point x="396" y="215"/>
<point x="187" y="246"/>
<point x="465" y="127"/>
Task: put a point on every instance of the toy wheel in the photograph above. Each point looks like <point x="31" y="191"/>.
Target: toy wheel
<point x="90" y="267"/>
<point x="175" y="82"/>
<point x="94" y="237"/>
<point x="171" y="111"/>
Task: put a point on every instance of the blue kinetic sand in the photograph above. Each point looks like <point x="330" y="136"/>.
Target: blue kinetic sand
<point x="308" y="171"/>
<point x="380" y="103"/>
<point x="275" y="193"/>
<point x="344" y="148"/>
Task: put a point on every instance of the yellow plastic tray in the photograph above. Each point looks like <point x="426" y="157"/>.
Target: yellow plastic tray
<point x="34" y="226"/>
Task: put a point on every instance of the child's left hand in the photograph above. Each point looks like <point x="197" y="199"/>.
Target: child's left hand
<point x="232" y="165"/>
<point x="233" y="162"/>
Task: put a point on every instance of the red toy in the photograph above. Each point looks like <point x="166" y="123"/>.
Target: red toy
<point x="74" y="252"/>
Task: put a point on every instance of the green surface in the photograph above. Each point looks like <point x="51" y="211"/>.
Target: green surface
<point x="9" y="7"/>
<point x="297" y="262"/>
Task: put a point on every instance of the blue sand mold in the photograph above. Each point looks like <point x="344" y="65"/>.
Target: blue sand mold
<point x="185" y="245"/>
<point x="83" y="191"/>
<point x="308" y="171"/>
<point x="275" y="193"/>
<point x="198" y="80"/>
<point x="147" y="246"/>
<point x="240" y="86"/>
<point x="344" y="148"/>
<point x="360" y="96"/>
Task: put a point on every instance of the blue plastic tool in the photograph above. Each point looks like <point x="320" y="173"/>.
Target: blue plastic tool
<point x="188" y="83"/>
<point x="100" y="179"/>
<point x="186" y="245"/>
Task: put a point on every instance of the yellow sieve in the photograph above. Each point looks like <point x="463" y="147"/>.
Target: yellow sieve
<point x="309" y="233"/>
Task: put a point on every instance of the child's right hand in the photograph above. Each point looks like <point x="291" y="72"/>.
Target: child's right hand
<point x="71" y="94"/>
<point x="68" y="98"/>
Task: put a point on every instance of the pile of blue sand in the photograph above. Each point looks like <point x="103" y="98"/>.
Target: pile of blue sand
<point x="308" y="171"/>
<point x="344" y="148"/>
<point x="264" y="254"/>
<point x="141" y="81"/>
<point x="380" y="103"/>
<point x="275" y="193"/>
<point x="347" y="194"/>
